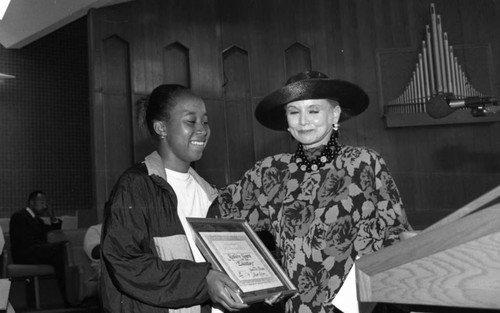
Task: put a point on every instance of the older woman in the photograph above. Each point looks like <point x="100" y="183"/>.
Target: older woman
<point x="325" y="204"/>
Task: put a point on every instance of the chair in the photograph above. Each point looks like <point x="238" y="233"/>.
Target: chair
<point x="79" y="283"/>
<point x="30" y="273"/>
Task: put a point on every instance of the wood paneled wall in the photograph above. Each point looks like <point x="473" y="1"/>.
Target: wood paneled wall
<point x="235" y="52"/>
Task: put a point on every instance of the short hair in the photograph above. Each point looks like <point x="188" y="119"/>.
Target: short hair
<point x="160" y="103"/>
<point x="35" y="194"/>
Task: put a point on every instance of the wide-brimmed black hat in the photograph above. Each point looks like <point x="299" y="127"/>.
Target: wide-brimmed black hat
<point x="270" y="112"/>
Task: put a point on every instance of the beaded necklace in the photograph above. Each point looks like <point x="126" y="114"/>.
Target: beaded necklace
<point x="328" y="153"/>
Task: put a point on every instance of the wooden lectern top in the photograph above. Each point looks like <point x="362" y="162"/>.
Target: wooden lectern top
<point x="455" y="262"/>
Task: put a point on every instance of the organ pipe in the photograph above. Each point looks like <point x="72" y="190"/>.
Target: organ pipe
<point x="437" y="71"/>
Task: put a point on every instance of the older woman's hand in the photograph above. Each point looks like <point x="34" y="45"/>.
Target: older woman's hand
<point x="408" y="234"/>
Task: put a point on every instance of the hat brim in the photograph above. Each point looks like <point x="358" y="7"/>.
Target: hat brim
<point x="270" y="112"/>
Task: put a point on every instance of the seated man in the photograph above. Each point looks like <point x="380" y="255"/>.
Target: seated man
<point x="28" y="237"/>
<point x="92" y="247"/>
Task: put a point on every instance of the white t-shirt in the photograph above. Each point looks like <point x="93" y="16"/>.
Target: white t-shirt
<point x="192" y="201"/>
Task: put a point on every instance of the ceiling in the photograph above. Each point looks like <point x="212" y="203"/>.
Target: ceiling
<point x="28" y="20"/>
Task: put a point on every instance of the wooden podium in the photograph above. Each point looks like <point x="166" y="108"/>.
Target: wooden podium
<point x="453" y="263"/>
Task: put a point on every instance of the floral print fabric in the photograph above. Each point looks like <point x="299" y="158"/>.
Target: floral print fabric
<point x="321" y="220"/>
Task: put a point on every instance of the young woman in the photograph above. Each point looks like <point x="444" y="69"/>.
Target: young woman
<point x="326" y="204"/>
<point x="150" y="262"/>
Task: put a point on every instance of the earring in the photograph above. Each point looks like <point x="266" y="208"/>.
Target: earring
<point x="336" y="130"/>
<point x="163" y="137"/>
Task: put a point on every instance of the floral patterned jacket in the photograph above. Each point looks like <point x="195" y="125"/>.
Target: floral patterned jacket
<point x="321" y="220"/>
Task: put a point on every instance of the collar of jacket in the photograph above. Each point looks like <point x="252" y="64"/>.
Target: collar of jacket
<point x="154" y="164"/>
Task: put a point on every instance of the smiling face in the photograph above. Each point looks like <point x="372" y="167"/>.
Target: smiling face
<point x="187" y="132"/>
<point x="311" y="121"/>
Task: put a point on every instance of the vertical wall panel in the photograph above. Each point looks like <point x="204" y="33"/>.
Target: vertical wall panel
<point x="239" y="113"/>
<point x="117" y="113"/>
<point x="176" y="65"/>
<point x="297" y="59"/>
<point x="256" y="26"/>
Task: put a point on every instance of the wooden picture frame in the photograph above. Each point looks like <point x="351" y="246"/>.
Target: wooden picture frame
<point x="232" y="247"/>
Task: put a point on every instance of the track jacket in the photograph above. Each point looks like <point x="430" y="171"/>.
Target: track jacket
<point x="140" y="227"/>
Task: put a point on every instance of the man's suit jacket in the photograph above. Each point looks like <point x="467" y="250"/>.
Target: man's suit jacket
<point x="27" y="231"/>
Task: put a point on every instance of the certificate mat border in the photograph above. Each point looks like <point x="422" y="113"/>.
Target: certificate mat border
<point x="241" y="259"/>
<point x="239" y="225"/>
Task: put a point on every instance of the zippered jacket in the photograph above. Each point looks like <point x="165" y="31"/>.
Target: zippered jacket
<point x="147" y="263"/>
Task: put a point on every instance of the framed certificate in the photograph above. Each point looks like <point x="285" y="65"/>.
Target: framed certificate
<point x="232" y="247"/>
